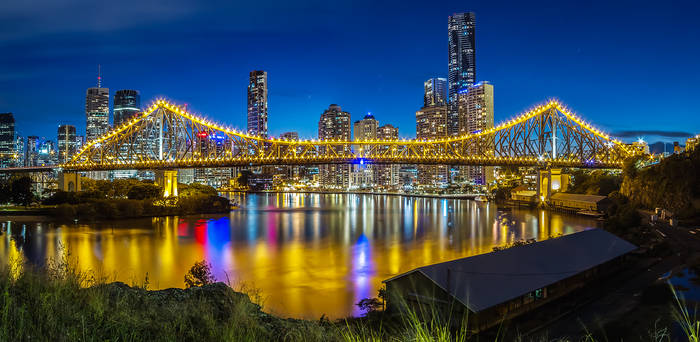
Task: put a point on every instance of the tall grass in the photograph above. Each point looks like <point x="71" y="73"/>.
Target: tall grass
<point x="60" y="303"/>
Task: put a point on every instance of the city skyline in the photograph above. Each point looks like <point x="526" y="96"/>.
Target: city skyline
<point x="391" y="99"/>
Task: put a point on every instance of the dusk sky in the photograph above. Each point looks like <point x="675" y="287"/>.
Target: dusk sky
<point x="629" y="67"/>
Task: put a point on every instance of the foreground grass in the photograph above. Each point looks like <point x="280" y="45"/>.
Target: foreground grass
<point x="60" y="303"/>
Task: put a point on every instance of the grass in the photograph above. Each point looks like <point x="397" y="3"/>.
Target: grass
<point x="60" y="303"/>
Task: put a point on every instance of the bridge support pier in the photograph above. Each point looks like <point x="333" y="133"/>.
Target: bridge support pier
<point x="168" y="180"/>
<point x="69" y="181"/>
<point x="551" y="181"/>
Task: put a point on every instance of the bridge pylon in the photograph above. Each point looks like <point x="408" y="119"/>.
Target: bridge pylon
<point x="550" y="181"/>
<point x="70" y="181"/>
<point x="168" y="180"/>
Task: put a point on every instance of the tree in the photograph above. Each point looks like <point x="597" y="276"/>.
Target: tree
<point x="244" y="178"/>
<point x="369" y="304"/>
<point x="21" y="191"/>
<point x="199" y="275"/>
<point x="144" y="191"/>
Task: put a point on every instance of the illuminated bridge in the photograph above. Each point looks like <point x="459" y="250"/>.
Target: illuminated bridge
<point x="166" y="136"/>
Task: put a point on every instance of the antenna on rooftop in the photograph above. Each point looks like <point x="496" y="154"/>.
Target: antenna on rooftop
<point x="99" y="76"/>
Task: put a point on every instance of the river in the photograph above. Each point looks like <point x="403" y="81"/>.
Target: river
<point x="303" y="255"/>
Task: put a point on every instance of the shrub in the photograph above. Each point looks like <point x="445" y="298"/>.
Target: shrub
<point x="199" y="275"/>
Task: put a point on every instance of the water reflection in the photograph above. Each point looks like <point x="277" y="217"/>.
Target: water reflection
<point x="308" y="254"/>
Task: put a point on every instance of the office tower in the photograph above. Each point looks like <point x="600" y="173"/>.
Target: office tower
<point x="387" y="175"/>
<point x="19" y="150"/>
<point x="46" y="153"/>
<point x="334" y="125"/>
<point x="7" y="139"/>
<point x="66" y="143"/>
<point x="435" y="92"/>
<point x="79" y="142"/>
<point x="475" y="108"/>
<point x="127" y="103"/>
<point x="431" y="124"/>
<point x="257" y="103"/>
<point x="364" y="130"/>
<point x="461" y="63"/>
<point x="97" y="110"/>
<point x="289" y="172"/>
<point x="32" y="151"/>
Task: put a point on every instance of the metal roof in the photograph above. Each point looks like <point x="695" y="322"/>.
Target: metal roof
<point x="482" y="281"/>
<point x="577" y="197"/>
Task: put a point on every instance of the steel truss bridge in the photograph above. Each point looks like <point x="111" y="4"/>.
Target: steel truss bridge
<point x="166" y="136"/>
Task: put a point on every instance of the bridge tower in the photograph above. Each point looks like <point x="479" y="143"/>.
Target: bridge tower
<point x="168" y="180"/>
<point x="550" y="181"/>
<point x="70" y="181"/>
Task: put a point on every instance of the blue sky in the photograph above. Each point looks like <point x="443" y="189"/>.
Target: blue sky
<point x="630" y="67"/>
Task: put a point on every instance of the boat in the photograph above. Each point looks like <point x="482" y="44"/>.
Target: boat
<point x="481" y="198"/>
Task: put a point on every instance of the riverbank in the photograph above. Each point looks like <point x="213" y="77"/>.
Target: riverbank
<point x="328" y="192"/>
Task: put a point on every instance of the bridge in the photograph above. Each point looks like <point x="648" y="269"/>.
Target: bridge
<point x="166" y="136"/>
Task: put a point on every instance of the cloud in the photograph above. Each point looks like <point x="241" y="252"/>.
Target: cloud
<point x="660" y="133"/>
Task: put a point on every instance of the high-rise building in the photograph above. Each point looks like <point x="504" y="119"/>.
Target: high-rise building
<point x="257" y="103"/>
<point x="334" y="125"/>
<point x="79" y="142"/>
<point x="475" y="108"/>
<point x="127" y="103"/>
<point x="366" y="129"/>
<point x="46" y="153"/>
<point x="461" y="63"/>
<point x="31" y="155"/>
<point x="19" y="150"/>
<point x="431" y="124"/>
<point x="387" y="175"/>
<point x="97" y="110"/>
<point x="66" y="143"/>
<point x="435" y="92"/>
<point x="7" y="139"/>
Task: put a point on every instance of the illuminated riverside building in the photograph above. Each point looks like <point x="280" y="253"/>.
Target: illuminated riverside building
<point x="461" y="63"/>
<point x="127" y="103"/>
<point x="387" y="175"/>
<point x="7" y="140"/>
<point x="96" y="110"/>
<point x="66" y="143"/>
<point x="366" y="129"/>
<point x="690" y="144"/>
<point x="334" y="125"/>
<point x="257" y="103"/>
<point x="431" y="124"/>
<point x="435" y="92"/>
<point x="475" y="109"/>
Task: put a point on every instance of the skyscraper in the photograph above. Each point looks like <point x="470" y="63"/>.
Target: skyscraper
<point x="31" y="155"/>
<point x="475" y="107"/>
<point x="435" y="92"/>
<point x="7" y="139"/>
<point x="431" y="124"/>
<point x="366" y="129"/>
<point x="387" y="175"/>
<point x="257" y="103"/>
<point x="127" y="103"/>
<point x="66" y="143"/>
<point x="97" y="110"/>
<point x="19" y="150"/>
<point x="334" y="125"/>
<point x="461" y="63"/>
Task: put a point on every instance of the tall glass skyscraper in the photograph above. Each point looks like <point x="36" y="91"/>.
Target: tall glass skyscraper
<point x="96" y="110"/>
<point x="435" y="92"/>
<point x="66" y="143"/>
<point x="127" y="103"/>
<point x="462" y="62"/>
<point x="257" y="103"/>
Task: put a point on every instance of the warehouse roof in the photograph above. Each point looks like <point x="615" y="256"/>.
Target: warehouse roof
<point x="482" y="281"/>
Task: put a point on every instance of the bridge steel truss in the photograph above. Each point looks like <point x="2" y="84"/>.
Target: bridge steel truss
<point x="165" y="136"/>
